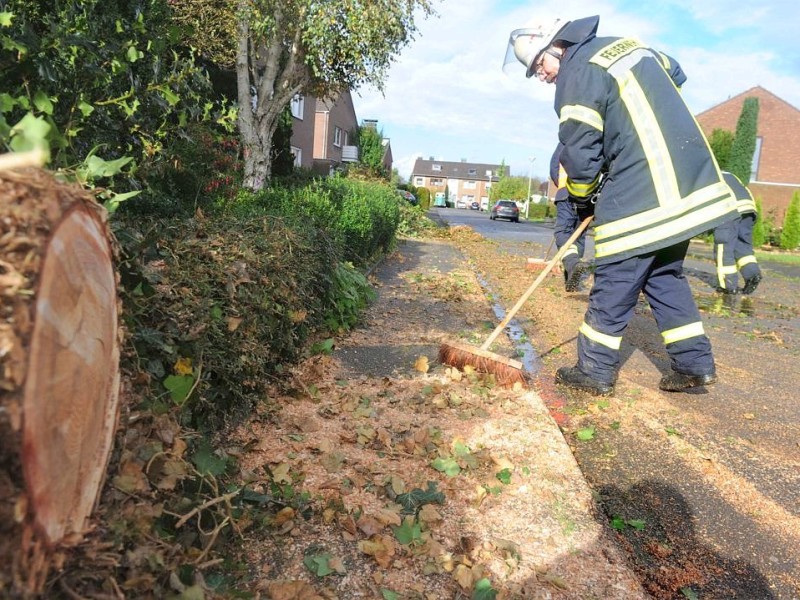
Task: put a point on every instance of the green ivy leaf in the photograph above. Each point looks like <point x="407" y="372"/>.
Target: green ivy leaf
<point x="389" y="594"/>
<point x="42" y="102"/>
<point x="319" y="564"/>
<point x="206" y="462"/>
<point x="585" y="434"/>
<point x="134" y="54"/>
<point x="618" y="523"/>
<point x="483" y="590"/>
<point x="6" y="18"/>
<point x="30" y="133"/>
<point x="504" y="476"/>
<point x="171" y="97"/>
<point x="448" y="466"/>
<point x="85" y="108"/>
<point x="179" y="387"/>
<point x="407" y="533"/>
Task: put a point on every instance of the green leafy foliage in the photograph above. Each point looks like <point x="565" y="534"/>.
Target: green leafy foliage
<point x="98" y="80"/>
<point x="415" y="499"/>
<point x="790" y="233"/>
<point x="759" y="228"/>
<point x="371" y="150"/>
<point x="318" y="564"/>
<point x="744" y="142"/>
<point x="721" y="142"/>
<point x="585" y="434"/>
<point x="483" y="590"/>
<point x="408" y="532"/>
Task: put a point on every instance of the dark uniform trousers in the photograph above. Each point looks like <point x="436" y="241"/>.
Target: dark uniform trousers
<point x="567" y="222"/>
<point x="733" y="251"/>
<point x="659" y="275"/>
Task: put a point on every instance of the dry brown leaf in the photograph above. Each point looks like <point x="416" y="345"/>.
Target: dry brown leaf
<point x="292" y="590"/>
<point x="428" y="514"/>
<point x="369" y="525"/>
<point x="464" y="577"/>
<point x="280" y="474"/>
<point x="285" y="514"/>
<point x="379" y="547"/>
<point x="387" y="516"/>
<point x="421" y="364"/>
<point x="233" y="323"/>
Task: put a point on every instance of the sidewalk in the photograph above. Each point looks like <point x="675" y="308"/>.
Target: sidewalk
<point x="536" y="535"/>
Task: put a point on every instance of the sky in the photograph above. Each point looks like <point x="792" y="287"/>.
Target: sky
<point x="446" y="95"/>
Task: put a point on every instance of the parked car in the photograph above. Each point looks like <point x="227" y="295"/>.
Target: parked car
<point x="461" y="204"/>
<point x="484" y="204"/>
<point x="440" y="201"/>
<point x="505" y="209"/>
<point x="475" y="205"/>
<point x="408" y="196"/>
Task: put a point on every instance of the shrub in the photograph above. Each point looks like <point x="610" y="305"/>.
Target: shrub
<point x="759" y="229"/>
<point x="790" y="233"/>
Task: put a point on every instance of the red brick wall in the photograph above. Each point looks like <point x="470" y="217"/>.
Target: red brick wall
<point x="779" y="128"/>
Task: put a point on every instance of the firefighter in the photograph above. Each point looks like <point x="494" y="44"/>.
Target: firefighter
<point x="733" y="243"/>
<point x="567" y="221"/>
<point x="619" y="108"/>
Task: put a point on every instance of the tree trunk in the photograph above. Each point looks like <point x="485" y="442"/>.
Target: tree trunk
<point x="59" y="370"/>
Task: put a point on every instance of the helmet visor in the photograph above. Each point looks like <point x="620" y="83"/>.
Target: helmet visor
<point x="524" y="46"/>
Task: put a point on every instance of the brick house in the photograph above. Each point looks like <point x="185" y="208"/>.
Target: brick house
<point x="323" y="132"/>
<point x="463" y="181"/>
<point x="776" y="162"/>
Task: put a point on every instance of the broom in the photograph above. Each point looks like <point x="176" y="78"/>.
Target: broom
<point x="506" y="370"/>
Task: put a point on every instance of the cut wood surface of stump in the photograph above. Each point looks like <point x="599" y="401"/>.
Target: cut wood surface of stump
<point x="59" y="369"/>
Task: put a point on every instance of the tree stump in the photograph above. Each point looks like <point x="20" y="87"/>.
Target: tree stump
<point x="59" y="370"/>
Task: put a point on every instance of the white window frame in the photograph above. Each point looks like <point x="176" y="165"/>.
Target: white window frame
<point x="298" y="156"/>
<point x="469" y="184"/>
<point x="298" y="106"/>
<point x="337" y="136"/>
<point x="419" y="181"/>
<point x="436" y="168"/>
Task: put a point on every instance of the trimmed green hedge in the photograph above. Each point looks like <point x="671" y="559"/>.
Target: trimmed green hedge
<point x="217" y="306"/>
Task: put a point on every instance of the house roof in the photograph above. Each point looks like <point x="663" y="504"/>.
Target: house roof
<point x="454" y="170"/>
<point x="754" y="92"/>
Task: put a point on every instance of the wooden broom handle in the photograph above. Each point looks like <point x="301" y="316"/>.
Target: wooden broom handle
<point x="549" y="267"/>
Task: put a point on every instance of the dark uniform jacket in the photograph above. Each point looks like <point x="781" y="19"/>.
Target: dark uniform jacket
<point x="744" y="199"/>
<point x="620" y="111"/>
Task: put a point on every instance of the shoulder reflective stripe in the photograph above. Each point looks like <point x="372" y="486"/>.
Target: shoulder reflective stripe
<point x="582" y="114"/>
<point x="664" y="213"/>
<point x="562" y="176"/>
<point x="683" y="333"/>
<point x="746" y="260"/>
<point x="650" y="136"/>
<point x="609" y="341"/>
<point x="666" y="230"/>
<point x="614" y="51"/>
<point x="745" y="205"/>
<point x="581" y="190"/>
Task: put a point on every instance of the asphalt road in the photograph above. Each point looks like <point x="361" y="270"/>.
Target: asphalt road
<point x="715" y="475"/>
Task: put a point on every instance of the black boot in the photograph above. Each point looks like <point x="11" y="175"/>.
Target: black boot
<point x="574" y="277"/>
<point x="575" y="378"/>
<point x="678" y="382"/>
<point x="751" y="283"/>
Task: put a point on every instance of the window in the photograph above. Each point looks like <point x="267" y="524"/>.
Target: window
<point x="298" y="156"/>
<point x="469" y="185"/>
<point x="337" y="136"/>
<point x="488" y="172"/>
<point x="756" y="158"/>
<point x="419" y="181"/>
<point x="436" y="168"/>
<point x="436" y="181"/>
<point x="298" y="103"/>
<point x="472" y="172"/>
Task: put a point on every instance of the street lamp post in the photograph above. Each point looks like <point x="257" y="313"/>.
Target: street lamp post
<point x="528" y="199"/>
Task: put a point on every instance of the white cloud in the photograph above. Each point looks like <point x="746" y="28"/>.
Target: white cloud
<point x="446" y="95"/>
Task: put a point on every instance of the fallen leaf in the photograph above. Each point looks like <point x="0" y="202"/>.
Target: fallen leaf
<point x="421" y="364"/>
<point x="292" y="590"/>
<point x="283" y="515"/>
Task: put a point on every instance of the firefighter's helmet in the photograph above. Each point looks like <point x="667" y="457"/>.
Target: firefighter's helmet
<point x="526" y="45"/>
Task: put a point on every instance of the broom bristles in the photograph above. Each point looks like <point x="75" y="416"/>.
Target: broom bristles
<point x="506" y="371"/>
